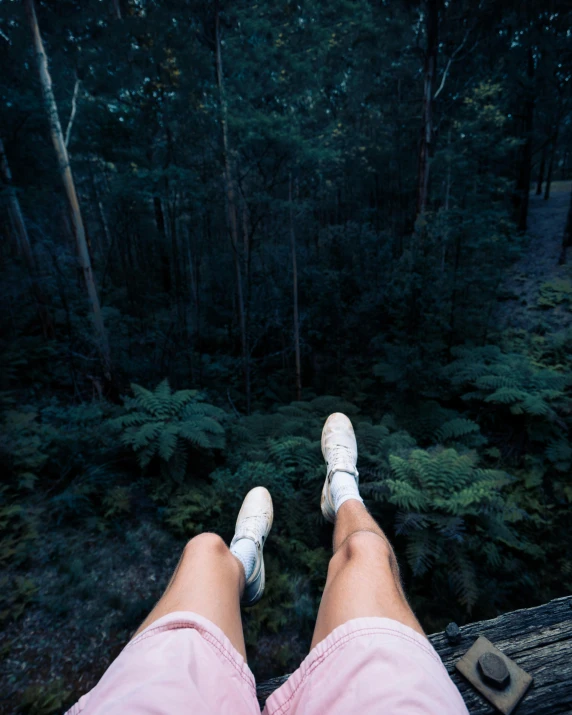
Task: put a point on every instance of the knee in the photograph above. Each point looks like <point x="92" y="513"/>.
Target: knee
<point x="206" y="543"/>
<point x="364" y="547"/>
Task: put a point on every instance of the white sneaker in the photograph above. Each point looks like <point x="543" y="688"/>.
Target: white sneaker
<point x="254" y="522"/>
<point x="339" y="448"/>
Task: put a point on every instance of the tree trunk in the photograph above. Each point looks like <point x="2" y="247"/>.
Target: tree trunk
<point x="67" y="178"/>
<point x="163" y="251"/>
<point x="541" y="169"/>
<point x="23" y="241"/>
<point x="525" y="174"/>
<point x="247" y="261"/>
<point x="553" y="148"/>
<point x="101" y="213"/>
<point x="426" y="144"/>
<point x="177" y="262"/>
<point x="117" y="9"/>
<point x="232" y="211"/>
<point x="567" y="237"/>
<point x="295" y="294"/>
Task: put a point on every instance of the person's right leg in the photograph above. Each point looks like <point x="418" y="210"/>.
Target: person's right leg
<point x="369" y="653"/>
<point x="363" y="575"/>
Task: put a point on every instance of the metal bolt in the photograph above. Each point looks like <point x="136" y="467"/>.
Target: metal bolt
<point x="453" y="633"/>
<point x="493" y="670"/>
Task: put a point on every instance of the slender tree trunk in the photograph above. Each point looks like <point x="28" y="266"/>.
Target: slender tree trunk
<point x="295" y="294"/>
<point x="448" y="179"/>
<point x="525" y="174"/>
<point x="101" y="213"/>
<point x="553" y="147"/>
<point x="163" y="250"/>
<point x="247" y="255"/>
<point x="426" y="144"/>
<point x="23" y="240"/>
<point x="72" y="112"/>
<point x="170" y="211"/>
<point x="445" y="238"/>
<point x="541" y="169"/>
<point x="117" y="9"/>
<point x="232" y="211"/>
<point x="567" y="237"/>
<point x="67" y="178"/>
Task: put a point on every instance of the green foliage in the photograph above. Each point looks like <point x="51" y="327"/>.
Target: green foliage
<point x="456" y="428"/>
<point x="45" y="699"/>
<point x="555" y="292"/>
<point x="445" y="502"/>
<point x="159" y="423"/>
<point x="18" y="533"/>
<point x="510" y="386"/>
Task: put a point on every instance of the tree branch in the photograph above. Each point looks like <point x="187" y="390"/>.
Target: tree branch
<point x="73" y="111"/>
<point x="449" y="61"/>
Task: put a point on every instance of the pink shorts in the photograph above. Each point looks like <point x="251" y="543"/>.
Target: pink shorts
<point x="183" y="663"/>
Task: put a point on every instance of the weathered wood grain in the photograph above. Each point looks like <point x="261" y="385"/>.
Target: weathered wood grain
<point x="538" y="639"/>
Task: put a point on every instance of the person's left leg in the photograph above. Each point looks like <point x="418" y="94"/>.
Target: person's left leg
<point x="209" y="581"/>
<point x="189" y="652"/>
<point x="210" y="578"/>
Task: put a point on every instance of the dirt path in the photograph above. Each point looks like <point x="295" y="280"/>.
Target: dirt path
<point x="536" y="280"/>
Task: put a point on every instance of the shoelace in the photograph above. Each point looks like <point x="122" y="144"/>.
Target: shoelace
<point x="340" y="453"/>
<point x="255" y="525"/>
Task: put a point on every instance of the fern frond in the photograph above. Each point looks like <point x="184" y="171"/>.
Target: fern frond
<point x="420" y="552"/>
<point x="456" y="428"/>
<point x="507" y="395"/>
<point x="462" y="577"/>
<point x="168" y="442"/>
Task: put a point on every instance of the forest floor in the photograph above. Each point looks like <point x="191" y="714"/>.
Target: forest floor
<point x="84" y="612"/>
<point x="536" y="281"/>
<point x="87" y="606"/>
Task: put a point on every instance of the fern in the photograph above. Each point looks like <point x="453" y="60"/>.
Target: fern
<point x="443" y="500"/>
<point x="159" y="423"/>
<point x="515" y="396"/>
<point x="456" y="428"/>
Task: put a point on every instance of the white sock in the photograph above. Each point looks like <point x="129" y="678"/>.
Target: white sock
<point x="245" y="552"/>
<point x="342" y="488"/>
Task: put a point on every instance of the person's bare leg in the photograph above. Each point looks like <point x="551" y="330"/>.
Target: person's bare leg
<point x="210" y="578"/>
<point x="363" y="575"/>
<point x="209" y="581"/>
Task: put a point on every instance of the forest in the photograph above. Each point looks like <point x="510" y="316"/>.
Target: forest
<point x="222" y="222"/>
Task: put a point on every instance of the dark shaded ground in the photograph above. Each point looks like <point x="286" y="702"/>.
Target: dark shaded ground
<point x="85" y="610"/>
<point x="536" y="282"/>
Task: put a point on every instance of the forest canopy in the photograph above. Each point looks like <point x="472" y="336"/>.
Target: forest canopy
<point x="222" y="222"/>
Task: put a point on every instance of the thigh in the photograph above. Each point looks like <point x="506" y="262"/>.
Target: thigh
<point x="207" y="581"/>
<point x="369" y="666"/>
<point x="363" y="581"/>
<point x="182" y="663"/>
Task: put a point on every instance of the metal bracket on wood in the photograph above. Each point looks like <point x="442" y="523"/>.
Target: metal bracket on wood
<point x="494" y="675"/>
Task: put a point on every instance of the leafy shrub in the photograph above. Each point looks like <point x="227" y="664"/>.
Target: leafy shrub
<point x="555" y="292"/>
<point x="445" y="503"/>
<point x="45" y="699"/>
<point x="512" y="395"/>
<point x="159" y="423"/>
